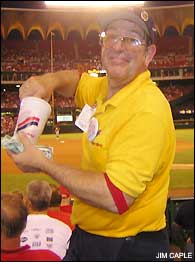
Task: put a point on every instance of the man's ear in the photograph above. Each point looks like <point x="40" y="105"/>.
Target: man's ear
<point x="150" y="53"/>
<point x="27" y="204"/>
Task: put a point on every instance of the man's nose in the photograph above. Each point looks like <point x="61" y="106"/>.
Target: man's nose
<point x="118" y="44"/>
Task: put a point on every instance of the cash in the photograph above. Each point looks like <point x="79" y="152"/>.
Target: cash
<point x="15" y="146"/>
<point x="12" y="144"/>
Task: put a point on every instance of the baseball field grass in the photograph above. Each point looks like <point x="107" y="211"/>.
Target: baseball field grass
<point x="68" y="150"/>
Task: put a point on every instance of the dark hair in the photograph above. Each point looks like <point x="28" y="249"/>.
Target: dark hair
<point x="56" y="196"/>
<point x="13" y="215"/>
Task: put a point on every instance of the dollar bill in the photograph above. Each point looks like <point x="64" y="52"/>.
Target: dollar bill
<point x="12" y="144"/>
<point x="15" y="146"/>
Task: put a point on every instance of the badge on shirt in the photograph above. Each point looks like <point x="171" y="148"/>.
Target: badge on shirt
<point x="83" y="120"/>
<point x="93" y="129"/>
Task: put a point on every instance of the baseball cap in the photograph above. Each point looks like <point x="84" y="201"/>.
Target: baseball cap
<point x="139" y="17"/>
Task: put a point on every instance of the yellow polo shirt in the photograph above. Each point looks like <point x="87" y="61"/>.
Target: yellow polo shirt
<point x="135" y="146"/>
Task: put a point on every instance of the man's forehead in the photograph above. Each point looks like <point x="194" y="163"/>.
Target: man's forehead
<point x="125" y="26"/>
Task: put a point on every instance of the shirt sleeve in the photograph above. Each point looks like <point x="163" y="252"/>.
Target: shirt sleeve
<point x="135" y="153"/>
<point x="88" y="90"/>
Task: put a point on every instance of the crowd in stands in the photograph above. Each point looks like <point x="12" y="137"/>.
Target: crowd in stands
<point x="159" y="68"/>
<point x="13" y="72"/>
<point x="35" y="225"/>
<point x="174" y="92"/>
<point x="61" y="102"/>
<point x="21" y="59"/>
<point x="8" y="124"/>
<point x="10" y="100"/>
<point x="172" y="61"/>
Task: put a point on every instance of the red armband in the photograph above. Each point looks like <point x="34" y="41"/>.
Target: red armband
<point x="117" y="195"/>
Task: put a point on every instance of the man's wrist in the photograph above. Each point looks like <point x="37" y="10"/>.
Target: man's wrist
<point x="43" y="164"/>
<point x="51" y="81"/>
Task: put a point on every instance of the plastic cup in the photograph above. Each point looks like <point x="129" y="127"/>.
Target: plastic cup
<point x="33" y="115"/>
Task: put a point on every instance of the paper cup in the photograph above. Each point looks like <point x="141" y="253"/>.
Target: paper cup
<point x="33" y="115"/>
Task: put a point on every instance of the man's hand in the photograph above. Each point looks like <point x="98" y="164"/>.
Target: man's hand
<point x="31" y="159"/>
<point x="38" y="86"/>
<point x="62" y="82"/>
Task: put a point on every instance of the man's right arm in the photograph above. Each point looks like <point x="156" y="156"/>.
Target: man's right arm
<point x="62" y="82"/>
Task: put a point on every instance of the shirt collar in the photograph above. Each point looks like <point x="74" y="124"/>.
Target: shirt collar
<point x="116" y="99"/>
<point x="20" y="249"/>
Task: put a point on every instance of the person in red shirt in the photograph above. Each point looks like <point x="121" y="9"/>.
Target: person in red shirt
<point x="55" y="210"/>
<point x="66" y="203"/>
<point x="13" y="222"/>
<point x="26" y="254"/>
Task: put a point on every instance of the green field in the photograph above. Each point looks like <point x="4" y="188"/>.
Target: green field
<point x="186" y="156"/>
<point x="183" y="178"/>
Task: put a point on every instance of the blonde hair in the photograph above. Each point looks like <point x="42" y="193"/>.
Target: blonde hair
<point x="39" y="192"/>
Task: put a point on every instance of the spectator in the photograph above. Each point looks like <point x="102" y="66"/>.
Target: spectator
<point x="13" y="222"/>
<point x="67" y="200"/>
<point x="55" y="203"/>
<point x="43" y="231"/>
<point x="183" y="226"/>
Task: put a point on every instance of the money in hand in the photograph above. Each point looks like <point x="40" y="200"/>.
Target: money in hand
<point x="12" y="144"/>
<point x="15" y="146"/>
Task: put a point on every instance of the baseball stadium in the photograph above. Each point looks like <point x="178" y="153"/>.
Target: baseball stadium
<point x="32" y="44"/>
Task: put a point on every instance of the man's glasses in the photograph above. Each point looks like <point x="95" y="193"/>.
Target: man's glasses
<point x="109" y="40"/>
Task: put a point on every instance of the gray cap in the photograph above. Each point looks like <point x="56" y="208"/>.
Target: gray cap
<point x="141" y="18"/>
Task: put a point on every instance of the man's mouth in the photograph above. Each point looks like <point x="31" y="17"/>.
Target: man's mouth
<point x="118" y="60"/>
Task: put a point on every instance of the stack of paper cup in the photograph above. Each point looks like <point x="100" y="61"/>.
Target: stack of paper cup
<point x="33" y="115"/>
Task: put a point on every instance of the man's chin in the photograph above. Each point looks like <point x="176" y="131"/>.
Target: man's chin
<point x="116" y="72"/>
